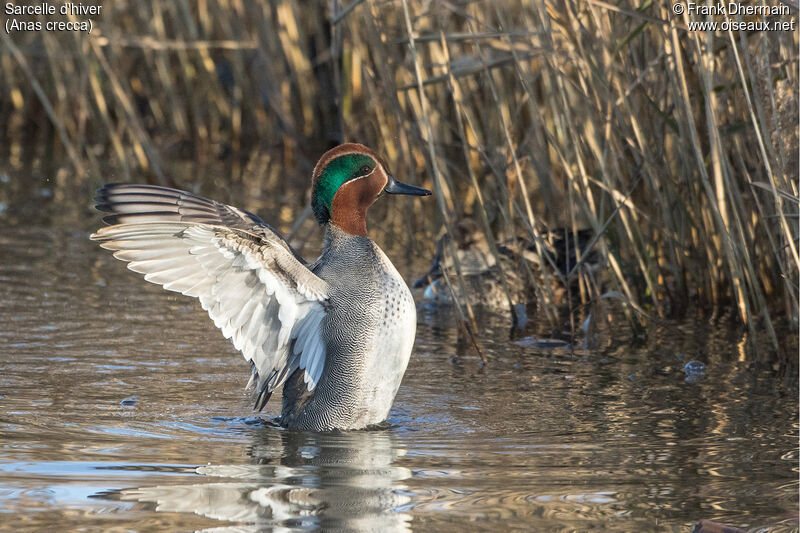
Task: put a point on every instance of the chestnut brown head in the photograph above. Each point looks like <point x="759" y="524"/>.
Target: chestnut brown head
<point x="346" y="181"/>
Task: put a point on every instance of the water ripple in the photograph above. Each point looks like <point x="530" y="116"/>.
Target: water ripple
<point x="121" y="406"/>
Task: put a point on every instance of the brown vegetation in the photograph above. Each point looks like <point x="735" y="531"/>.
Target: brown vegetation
<point x="679" y="149"/>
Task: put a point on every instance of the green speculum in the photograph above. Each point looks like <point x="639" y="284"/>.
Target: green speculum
<point x="336" y="173"/>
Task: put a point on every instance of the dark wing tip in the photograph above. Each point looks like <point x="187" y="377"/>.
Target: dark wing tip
<point x="144" y="216"/>
<point x="263" y="397"/>
<point x="133" y="203"/>
<point x="101" y="196"/>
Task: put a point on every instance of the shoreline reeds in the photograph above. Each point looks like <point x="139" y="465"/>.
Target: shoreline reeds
<point x="677" y="148"/>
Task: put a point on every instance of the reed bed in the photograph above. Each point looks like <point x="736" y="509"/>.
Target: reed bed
<point x="677" y="148"/>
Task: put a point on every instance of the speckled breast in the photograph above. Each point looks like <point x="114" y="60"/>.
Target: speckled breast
<point x="391" y="344"/>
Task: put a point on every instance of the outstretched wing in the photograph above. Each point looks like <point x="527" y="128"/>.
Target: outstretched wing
<point x="257" y="291"/>
<point x="129" y="203"/>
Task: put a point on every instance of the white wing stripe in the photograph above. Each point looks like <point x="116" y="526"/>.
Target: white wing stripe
<point x="254" y="289"/>
<point x="302" y="335"/>
<point x="287" y="315"/>
<point x="159" y="265"/>
<point x="165" y="276"/>
<point x="314" y="352"/>
<point x="147" y="254"/>
<point x="184" y="284"/>
<point x="246" y="311"/>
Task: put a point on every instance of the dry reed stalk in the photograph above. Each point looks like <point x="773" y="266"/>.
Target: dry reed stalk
<point x="672" y="146"/>
<point x="48" y="107"/>
<point x="455" y="90"/>
<point x="441" y="190"/>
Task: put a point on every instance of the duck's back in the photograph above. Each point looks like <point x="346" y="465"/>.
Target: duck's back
<point x="368" y="333"/>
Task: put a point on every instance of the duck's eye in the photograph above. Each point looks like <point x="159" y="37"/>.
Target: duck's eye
<point x="363" y="171"/>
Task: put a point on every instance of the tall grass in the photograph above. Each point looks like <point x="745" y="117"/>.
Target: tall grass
<point x="678" y="148"/>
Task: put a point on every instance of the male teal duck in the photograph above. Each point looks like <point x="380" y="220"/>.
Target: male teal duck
<point x="337" y="333"/>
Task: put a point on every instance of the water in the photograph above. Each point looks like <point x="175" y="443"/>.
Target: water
<point x="121" y="406"/>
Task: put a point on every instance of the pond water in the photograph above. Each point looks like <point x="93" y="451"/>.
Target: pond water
<point x="121" y="406"/>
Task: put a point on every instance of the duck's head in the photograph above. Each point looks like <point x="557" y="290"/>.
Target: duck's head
<point x="346" y="181"/>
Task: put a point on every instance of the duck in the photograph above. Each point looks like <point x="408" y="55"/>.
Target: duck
<point x="504" y="281"/>
<point x="484" y="279"/>
<point x="336" y="334"/>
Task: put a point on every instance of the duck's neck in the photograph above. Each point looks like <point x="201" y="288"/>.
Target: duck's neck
<point x="349" y="206"/>
<point x="352" y="221"/>
<point x="334" y="233"/>
<point x="343" y="248"/>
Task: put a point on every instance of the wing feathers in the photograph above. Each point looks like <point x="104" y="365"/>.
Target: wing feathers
<point x="147" y="254"/>
<point x="130" y="203"/>
<point x="255" y="290"/>
<point x="312" y="361"/>
<point x="129" y="207"/>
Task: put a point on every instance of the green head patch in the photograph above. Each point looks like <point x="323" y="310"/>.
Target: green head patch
<point x="335" y="174"/>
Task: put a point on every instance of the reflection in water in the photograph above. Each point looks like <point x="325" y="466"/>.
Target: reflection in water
<point x="113" y="391"/>
<point x="337" y="481"/>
